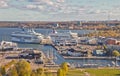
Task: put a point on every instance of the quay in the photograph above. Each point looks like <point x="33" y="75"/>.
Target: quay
<point x="27" y="54"/>
<point x="10" y="52"/>
<point x="46" y="41"/>
<point x="81" y="58"/>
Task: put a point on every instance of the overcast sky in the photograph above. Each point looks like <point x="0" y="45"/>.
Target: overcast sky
<point x="59" y="10"/>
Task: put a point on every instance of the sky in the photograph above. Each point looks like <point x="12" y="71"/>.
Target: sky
<point x="59" y="10"/>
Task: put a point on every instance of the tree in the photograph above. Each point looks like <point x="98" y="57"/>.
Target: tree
<point x="48" y="74"/>
<point x="23" y="68"/>
<point x="64" y="72"/>
<point x="2" y="70"/>
<point x="64" y="66"/>
<point x="60" y="72"/>
<point x="9" y="64"/>
<point x="40" y="72"/>
<point x="33" y="73"/>
<point x="12" y="72"/>
<point x="105" y="47"/>
<point x="0" y="74"/>
<point x="116" y="53"/>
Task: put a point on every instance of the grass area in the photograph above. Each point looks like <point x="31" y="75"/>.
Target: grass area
<point x="75" y="72"/>
<point x="103" y="72"/>
<point x="91" y="72"/>
<point x="94" y="72"/>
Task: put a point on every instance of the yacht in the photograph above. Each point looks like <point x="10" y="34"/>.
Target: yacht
<point x="63" y="38"/>
<point x="27" y="36"/>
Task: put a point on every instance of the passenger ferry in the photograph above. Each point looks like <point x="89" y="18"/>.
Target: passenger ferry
<point x="27" y="36"/>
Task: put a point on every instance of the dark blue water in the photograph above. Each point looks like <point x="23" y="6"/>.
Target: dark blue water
<point x="6" y="32"/>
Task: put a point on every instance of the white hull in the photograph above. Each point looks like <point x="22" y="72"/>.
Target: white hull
<point x="5" y="45"/>
<point x="29" y="36"/>
<point x="63" y="38"/>
<point x="25" y="40"/>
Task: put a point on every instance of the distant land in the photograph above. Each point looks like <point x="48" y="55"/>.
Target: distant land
<point x="62" y="24"/>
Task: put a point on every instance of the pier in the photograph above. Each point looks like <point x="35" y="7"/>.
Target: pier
<point x="46" y="41"/>
<point x="98" y="58"/>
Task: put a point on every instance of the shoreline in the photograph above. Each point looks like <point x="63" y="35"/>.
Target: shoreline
<point x="82" y="58"/>
<point x="94" y="58"/>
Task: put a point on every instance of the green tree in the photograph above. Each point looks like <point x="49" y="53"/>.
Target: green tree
<point x="23" y="68"/>
<point x="116" y="53"/>
<point x="2" y="70"/>
<point x="60" y="72"/>
<point x="12" y="72"/>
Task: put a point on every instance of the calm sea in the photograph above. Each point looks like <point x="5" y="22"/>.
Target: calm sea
<point x="5" y="34"/>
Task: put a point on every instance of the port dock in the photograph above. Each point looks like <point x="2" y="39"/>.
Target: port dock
<point x="98" y="58"/>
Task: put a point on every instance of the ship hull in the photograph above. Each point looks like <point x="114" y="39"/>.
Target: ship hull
<point x="28" y="37"/>
<point x="26" y="41"/>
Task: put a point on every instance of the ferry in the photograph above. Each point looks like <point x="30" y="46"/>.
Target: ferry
<point x="63" y="38"/>
<point x="27" y="36"/>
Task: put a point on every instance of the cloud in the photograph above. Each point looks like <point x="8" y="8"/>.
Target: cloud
<point x="60" y="1"/>
<point x="3" y="4"/>
<point x="31" y="6"/>
<point x="48" y="2"/>
<point x="98" y="11"/>
<point x="50" y="6"/>
<point x="61" y="8"/>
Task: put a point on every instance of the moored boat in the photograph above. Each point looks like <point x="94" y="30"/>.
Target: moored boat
<point x="27" y="36"/>
<point x="65" y="38"/>
<point x="5" y="45"/>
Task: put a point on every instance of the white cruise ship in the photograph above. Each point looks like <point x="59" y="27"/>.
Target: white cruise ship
<point x="27" y="36"/>
<point x="63" y="38"/>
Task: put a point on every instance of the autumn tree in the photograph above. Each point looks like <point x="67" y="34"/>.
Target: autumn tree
<point x="23" y="68"/>
<point x="116" y="53"/>
<point x="12" y="72"/>
<point x="63" y="70"/>
<point x="2" y="70"/>
<point x="64" y="66"/>
<point x="0" y="74"/>
<point x="60" y="72"/>
<point x="40" y="72"/>
<point x="105" y="47"/>
<point x="33" y="73"/>
<point x="48" y="74"/>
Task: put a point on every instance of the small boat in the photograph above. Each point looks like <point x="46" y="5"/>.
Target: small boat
<point x="90" y="65"/>
<point x="5" y="45"/>
<point x="27" y="36"/>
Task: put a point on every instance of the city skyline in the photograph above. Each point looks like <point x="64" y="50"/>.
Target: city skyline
<point x="59" y="10"/>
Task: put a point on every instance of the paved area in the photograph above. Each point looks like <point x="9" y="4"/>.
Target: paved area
<point x="7" y="57"/>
